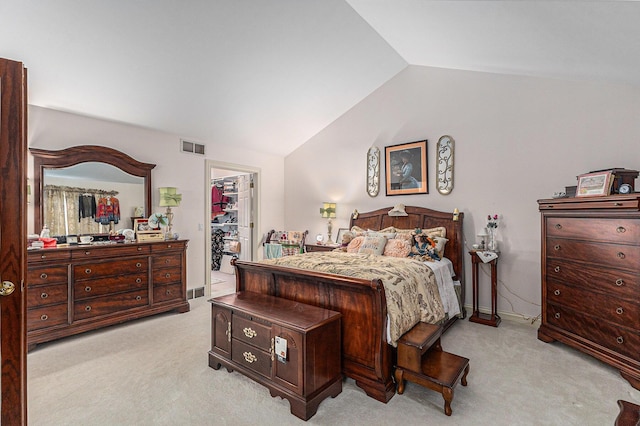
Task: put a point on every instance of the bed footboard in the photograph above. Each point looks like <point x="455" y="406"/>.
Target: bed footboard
<point x="366" y="356"/>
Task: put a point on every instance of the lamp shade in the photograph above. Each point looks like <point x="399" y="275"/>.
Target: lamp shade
<point x="168" y="197"/>
<point x="328" y="210"/>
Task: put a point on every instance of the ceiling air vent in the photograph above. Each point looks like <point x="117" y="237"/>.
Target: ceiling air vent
<point x="191" y="147"/>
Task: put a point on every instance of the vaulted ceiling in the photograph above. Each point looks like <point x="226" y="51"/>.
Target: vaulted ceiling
<point x="270" y="74"/>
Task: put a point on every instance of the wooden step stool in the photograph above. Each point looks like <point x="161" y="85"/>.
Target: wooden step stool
<point x="421" y="360"/>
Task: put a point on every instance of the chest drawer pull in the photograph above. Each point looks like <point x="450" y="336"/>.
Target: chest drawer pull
<point x="44" y="317"/>
<point x="87" y="252"/>
<point x="43" y="276"/>
<point x="558" y="226"/>
<point x="556" y="247"/>
<point x="619" y="282"/>
<point x="249" y="332"/>
<point x="228" y="332"/>
<point x="44" y="256"/>
<point x="87" y="308"/>
<point x="87" y="289"/>
<point x="620" y="339"/>
<point x="272" y="349"/>
<point x="557" y="292"/>
<point x="87" y="271"/>
<point x="619" y="311"/>
<point x="556" y="269"/>
<point x="621" y="255"/>
<point x="138" y="280"/>
<point x="168" y="292"/>
<point x="139" y="248"/>
<point x="249" y="357"/>
<point x="138" y="265"/>
<point x="138" y="297"/>
<point x="617" y="204"/>
<point x="621" y="229"/>
<point x="44" y="295"/>
<point x="166" y="261"/>
<point x="557" y="315"/>
<point x="167" y="275"/>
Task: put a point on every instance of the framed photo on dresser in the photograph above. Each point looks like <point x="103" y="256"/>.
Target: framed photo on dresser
<point x="596" y="184"/>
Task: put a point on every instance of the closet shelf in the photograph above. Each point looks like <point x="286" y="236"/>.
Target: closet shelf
<point x="221" y="225"/>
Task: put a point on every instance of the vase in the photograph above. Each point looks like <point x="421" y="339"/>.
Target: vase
<point x="492" y="244"/>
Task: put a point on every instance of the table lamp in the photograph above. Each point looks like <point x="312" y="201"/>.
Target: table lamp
<point x="168" y="199"/>
<point x="328" y="211"/>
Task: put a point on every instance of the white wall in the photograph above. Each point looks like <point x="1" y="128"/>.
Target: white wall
<point x="51" y="129"/>
<point x="518" y="139"/>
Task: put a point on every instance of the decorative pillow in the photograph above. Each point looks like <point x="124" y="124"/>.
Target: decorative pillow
<point x="387" y="235"/>
<point x="357" y="231"/>
<point x="440" y="231"/>
<point x="440" y="244"/>
<point x="387" y="230"/>
<point x="373" y="245"/>
<point x="397" y="248"/>
<point x="354" y="245"/>
<point x="406" y="236"/>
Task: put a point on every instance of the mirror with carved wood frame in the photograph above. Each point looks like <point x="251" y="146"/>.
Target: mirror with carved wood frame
<point x="45" y="159"/>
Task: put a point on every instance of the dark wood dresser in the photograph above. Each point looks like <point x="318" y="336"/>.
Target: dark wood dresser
<point x="245" y="327"/>
<point x="591" y="278"/>
<point x="76" y="289"/>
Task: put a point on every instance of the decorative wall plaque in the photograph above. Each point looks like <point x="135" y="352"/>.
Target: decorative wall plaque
<point x="373" y="171"/>
<point x="444" y="165"/>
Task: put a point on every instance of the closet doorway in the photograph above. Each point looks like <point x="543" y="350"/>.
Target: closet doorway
<point x="231" y="215"/>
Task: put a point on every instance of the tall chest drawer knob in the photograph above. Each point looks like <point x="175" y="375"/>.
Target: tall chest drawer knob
<point x="619" y="311"/>
<point x="621" y="229"/>
<point x="621" y="255"/>
<point x="166" y="261"/>
<point x="168" y="292"/>
<point x="619" y="282"/>
<point x="556" y="247"/>
<point x="43" y="276"/>
<point x="87" y="308"/>
<point x="87" y="289"/>
<point x="556" y="269"/>
<point x="138" y="297"/>
<point x="44" y="317"/>
<point x="138" y="280"/>
<point x="620" y="340"/>
<point x="138" y="265"/>
<point x="557" y="315"/>
<point x="249" y="357"/>
<point x="87" y="271"/>
<point x="558" y="226"/>
<point x="44" y="295"/>
<point x="249" y="332"/>
<point x="167" y="275"/>
<point x="557" y="292"/>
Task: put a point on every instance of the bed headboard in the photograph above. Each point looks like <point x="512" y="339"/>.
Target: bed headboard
<point x="420" y="217"/>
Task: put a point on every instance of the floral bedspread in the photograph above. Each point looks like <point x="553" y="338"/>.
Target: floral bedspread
<point x="410" y="286"/>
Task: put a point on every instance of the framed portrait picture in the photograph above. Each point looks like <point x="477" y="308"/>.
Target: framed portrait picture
<point x="597" y="184"/>
<point x="341" y="232"/>
<point x="406" y="168"/>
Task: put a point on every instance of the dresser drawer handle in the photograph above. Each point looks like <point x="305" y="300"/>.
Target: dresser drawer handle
<point x="43" y="276"/>
<point x="167" y="275"/>
<point x="620" y="339"/>
<point x="138" y="265"/>
<point x="557" y="315"/>
<point x="168" y="292"/>
<point x="87" y="271"/>
<point x="557" y="292"/>
<point x="44" y="256"/>
<point x="556" y="269"/>
<point x="44" y="295"/>
<point x="87" y="252"/>
<point x="167" y="261"/>
<point x="138" y="297"/>
<point x="619" y="311"/>
<point x="558" y="226"/>
<point x="272" y="349"/>
<point x="87" y="289"/>
<point x="138" y="280"/>
<point x="44" y="317"/>
<point x="87" y="308"/>
<point x="621" y="255"/>
<point x="619" y="282"/>
<point x="617" y="204"/>
<point x="249" y="332"/>
<point x="169" y="246"/>
<point x="621" y="229"/>
<point x="249" y="357"/>
<point x="139" y="248"/>
<point x="556" y="247"/>
<point x="228" y="332"/>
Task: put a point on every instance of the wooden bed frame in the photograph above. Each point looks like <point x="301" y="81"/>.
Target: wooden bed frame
<point x="366" y="356"/>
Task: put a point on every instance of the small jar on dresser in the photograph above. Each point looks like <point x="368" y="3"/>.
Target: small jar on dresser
<point x="591" y="278"/>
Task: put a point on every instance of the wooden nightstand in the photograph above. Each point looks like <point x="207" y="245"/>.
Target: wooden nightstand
<point x="492" y="319"/>
<point x="315" y="247"/>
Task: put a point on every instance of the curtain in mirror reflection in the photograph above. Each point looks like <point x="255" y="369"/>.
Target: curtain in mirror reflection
<point x="66" y="212"/>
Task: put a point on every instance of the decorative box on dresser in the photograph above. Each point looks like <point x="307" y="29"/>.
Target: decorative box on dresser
<point x="591" y="278"/>
<point x="81" y="288"/>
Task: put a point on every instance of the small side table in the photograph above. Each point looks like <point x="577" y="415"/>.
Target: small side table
<point x="492" y="319"/>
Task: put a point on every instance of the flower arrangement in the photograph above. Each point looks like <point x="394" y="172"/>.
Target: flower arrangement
<point x="492" y="221"/>
<point x="492" y="227"/>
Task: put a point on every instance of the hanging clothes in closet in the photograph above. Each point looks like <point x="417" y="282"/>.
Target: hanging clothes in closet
<point x="217" y="247"/>
<point x="108" y="210"/>
<point x="219" y="201"/>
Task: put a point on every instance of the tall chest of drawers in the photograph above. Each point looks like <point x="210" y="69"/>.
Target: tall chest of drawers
<point x="245" y="328"/>
<point x="591" y="278"/>
<point x="76" y="289"/>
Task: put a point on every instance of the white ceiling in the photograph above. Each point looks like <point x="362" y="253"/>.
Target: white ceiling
<point x="268" y="75"/>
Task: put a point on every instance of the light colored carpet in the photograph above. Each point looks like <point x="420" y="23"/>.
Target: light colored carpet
<point x="154" y="372"/>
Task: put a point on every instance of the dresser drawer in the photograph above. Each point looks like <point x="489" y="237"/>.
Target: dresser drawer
<point x="47" y="295"/>
<point x="598" y="305"/>
<point x="93" y="288"/>
<point x="101" y="252"/>
<point x="623" y="231"/>
<point x="105" y="269"/>
<point x="618" y="283"/>
<point x="167" y="276"/>
<point x="166" y="293"/>
<point x="47" y="275"/>
<point x="168" y="246"/>
<point x="47" y="316"/>
<point x="251" y="357"/>
<point x="48" y="255"/>
<point x="110" y="304"/>
<point x="612" y="255"/>
<point x="617" y="339"/>
<point x="168" y="260"/>
<point x="251" y="332"/>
